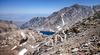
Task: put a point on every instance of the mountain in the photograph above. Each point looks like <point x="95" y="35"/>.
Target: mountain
<point x="77" y="33"/>
<point x="18" y="23"/>
<point x="96" y="8"/>
<point x="66" y="16"/>
<point x="6" y="26"/>
<point x="34" y="22"/>
<point x="82" y="38"/>
<point x="69" y="16"/>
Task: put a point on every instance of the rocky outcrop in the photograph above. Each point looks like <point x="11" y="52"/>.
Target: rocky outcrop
<point x="16" y="41"/>
<point x="6" y="26"/>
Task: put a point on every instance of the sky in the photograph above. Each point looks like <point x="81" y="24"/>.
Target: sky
<point x="38" y="7"/>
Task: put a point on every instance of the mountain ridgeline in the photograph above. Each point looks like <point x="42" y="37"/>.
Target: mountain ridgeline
<point x="76" y="32"/>
<point x="66" y="16"/>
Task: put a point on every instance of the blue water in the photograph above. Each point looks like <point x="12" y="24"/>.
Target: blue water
<point x="47" y="32"/>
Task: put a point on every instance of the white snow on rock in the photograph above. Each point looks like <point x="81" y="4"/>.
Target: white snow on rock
<point x="75" y="49"/>
<point x="22" y="52"/>
<point x="59" y="28"/>
<point x="23" y="35"/>
<point x="62" y="19"/>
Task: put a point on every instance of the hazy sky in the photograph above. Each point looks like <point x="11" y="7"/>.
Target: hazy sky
<point x="26" y="9"/>
<point x="38" y="6"/>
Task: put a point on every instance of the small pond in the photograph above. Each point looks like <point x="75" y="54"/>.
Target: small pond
<point x="47" y="32"/>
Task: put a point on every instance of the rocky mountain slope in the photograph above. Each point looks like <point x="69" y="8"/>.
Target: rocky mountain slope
<point x="6" y="26"/>
<point x="66" y="16"/>
<point x="77" y="33"/>
<point x="82" y="38"/>
<point x="34" y="22"/>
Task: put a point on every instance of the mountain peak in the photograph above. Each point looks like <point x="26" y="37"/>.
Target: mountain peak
<point x="70" y="16"/>
<point x="78" y="6"/>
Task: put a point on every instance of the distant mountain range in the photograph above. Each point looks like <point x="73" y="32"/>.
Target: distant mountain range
<point x="66" y="16"/>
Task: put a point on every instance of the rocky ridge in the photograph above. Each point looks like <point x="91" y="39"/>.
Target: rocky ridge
<point x="66" y="16"/>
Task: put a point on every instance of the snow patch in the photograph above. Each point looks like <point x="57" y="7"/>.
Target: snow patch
<point x="74" y="50"/>
<point x="62" y="18"/>
<point x="59" y="28"/>
<point x="63" y="21"/>
<point x="23" y="35"/>
<point x="22" y="52"/>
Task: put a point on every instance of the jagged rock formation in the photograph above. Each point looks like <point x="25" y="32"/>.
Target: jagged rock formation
<point x="66" y="16"/>
<point x="6" y="26"/>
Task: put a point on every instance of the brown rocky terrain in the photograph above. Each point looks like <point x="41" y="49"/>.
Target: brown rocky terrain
<point x="6" y="26"/>
<point x="83" y="38"/>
